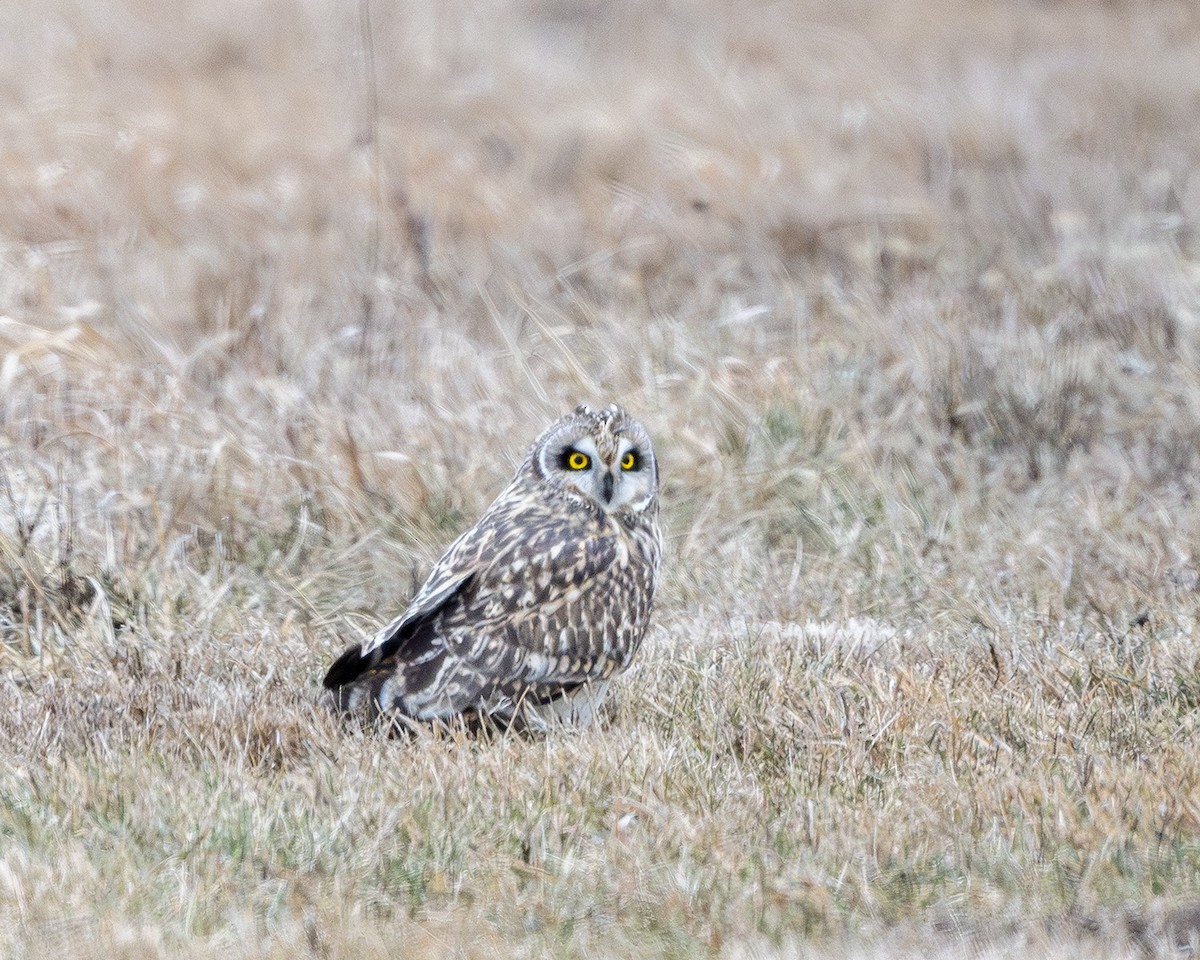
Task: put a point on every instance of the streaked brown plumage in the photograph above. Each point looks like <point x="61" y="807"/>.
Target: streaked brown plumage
<point x="531" y="612"/>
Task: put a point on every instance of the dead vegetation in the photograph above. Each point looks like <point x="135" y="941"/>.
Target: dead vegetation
<point x="906" y="294"/>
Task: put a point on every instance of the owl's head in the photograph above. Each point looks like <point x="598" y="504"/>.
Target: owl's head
<point x="600" y="455"/>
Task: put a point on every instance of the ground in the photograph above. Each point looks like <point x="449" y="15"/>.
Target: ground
<point x="908" y="295"/>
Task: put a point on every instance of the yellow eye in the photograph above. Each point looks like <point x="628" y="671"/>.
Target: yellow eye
<point x="577" y="460"/>
<point x="629" y="461"/>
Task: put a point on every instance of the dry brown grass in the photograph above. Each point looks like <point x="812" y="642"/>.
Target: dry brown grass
<point x="908" y="294"/>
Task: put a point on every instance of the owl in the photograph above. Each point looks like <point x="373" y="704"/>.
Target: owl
<point x="531" y="612"/>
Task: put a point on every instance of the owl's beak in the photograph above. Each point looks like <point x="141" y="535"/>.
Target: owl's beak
<point x="606" y="487"/>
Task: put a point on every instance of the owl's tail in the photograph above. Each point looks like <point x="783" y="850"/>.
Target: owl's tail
<point x="350" y="666"/>
<point x="407" y="663"/>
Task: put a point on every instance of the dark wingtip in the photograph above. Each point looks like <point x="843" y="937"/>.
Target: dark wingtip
<point x="349" y="666"/>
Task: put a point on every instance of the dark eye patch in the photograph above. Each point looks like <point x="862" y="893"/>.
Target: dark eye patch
<point x="572" y="459"/>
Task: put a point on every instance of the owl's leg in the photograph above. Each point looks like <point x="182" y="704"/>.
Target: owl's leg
<point x="575" y="705"/>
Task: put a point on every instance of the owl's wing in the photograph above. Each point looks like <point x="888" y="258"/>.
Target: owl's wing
<point x="548" y="616"/>
<point x="517" y="564"/>
<point x="462" y="559"/>
<point x="526" y="608"/>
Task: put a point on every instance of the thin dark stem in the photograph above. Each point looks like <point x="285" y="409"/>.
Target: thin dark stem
<point x="367" y="39"/>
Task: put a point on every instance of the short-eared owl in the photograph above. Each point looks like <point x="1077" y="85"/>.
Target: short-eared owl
<point x="531" y="612"/>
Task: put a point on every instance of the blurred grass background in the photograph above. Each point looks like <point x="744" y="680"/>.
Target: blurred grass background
<point x="906" y="294"/>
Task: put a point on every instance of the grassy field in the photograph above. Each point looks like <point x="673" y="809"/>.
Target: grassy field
<point x="908" y="295"/>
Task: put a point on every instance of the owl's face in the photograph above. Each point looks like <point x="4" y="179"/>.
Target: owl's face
<point x="603" y="456"/>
